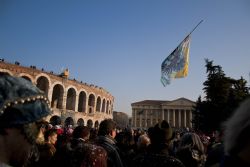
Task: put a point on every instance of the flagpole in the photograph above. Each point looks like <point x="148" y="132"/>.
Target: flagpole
<point x="195" y="27"/>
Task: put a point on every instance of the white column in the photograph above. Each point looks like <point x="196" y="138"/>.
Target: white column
<point x="50" y="91"/>
<point x="173" y="117"/>
<point x="146" y="119"/>
<point x="191" y="118"/>
<point x="179" y="115"/>
<point x="87" y="106"/>
<point x="185" y="118"/>
<point x="135" y="118"/>
<point x="162" y="114"/>
<point x="168" y="115"/>
<point x="140" y="121"/>
<point x="64" y="100"/>
<point x="94" y="108"/>
<point x="101" y="107"/>
<point x="151" y="118"/>
<point x="76" y="103"/>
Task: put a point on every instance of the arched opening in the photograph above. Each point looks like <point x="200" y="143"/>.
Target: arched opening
<point x="71" y="99"/>
<point x="55" y="120"/>
<point x="103" y="105"/>
<point x="98" y="104"/>
<point x="90" y="123"/>
<point x="96" y="124"/>
<point x="57" y="97"/>
<point x="80" y="122"/>
<point x="107" y="107"/>
<point x="68" y="121"/>
<point x="91" y="103"/>
<point x="82" y="102"/>
<point x="27" y="78"/>
<point x="43" y="84"/>
<point x="5" y="72"/>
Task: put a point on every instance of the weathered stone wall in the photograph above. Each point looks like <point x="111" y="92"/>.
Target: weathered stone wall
<point x="69" y="98"/>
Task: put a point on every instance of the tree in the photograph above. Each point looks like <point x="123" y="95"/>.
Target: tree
<point x="222" y="96"/>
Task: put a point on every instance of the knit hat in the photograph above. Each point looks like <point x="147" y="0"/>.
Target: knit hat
<point x="21" y="102"/>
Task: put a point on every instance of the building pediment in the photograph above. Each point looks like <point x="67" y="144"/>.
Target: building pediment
<point x="179" y="102"/>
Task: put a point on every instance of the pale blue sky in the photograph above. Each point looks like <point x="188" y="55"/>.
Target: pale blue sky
<point x="120" y="44"/>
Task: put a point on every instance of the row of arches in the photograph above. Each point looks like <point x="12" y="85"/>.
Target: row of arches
<point x="56" y="120"/>
<point x="69" y="98"/>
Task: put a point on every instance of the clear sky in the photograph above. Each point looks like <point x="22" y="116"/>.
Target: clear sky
<point x="120" y="44"/>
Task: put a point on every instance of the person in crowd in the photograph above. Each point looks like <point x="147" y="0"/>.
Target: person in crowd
<point x="80" y="136"/>
<point x="40" y="138"/>
<point x="22" y="109"/>
<point x="157" y="154"/>
<point x="126" y="145"/>
<point x="50" y="140"/>
<point x="106" y="139"/>
<point x="47" y="149"/>
<point x="176" y="142"/>
<point x="93" y="134"/>
<point x="80" y="153"/>
<point x="237" y="137"/>
<point x="142" y="143"/>
<point x="191" y="151"/>
<point x="215" y="152"/>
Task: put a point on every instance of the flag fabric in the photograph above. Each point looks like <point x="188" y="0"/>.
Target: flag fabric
<point x="176" y="64"/>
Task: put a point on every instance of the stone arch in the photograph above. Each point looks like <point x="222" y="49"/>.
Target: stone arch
<point x="69" y="121"/>
<point x="91" y="102"/>
<point x="90" y="123"/>
<point x="71" y="99"/>
<point x="27" y="77"/>
<point x="82" y="101"/>
<point x="98" y="104"/>
<point x="96" y="125"/>
<point x="107" y="107"/>
<point x="80" y="122"/>
<point x="6" y="71"/>
<point x="55" y="120"/>
<point x="103" y="105"/>
<point x="44" y="75"/>
<point x="57" y="96"/>
<point x="43" y="83"/>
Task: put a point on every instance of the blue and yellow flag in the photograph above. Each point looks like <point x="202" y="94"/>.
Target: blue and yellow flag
<point x="176" y="64"/>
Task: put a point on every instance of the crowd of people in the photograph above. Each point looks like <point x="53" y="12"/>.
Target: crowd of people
<point x="27" y="140"/>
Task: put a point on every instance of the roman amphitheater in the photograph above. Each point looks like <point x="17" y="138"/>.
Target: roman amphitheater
<point x="72" y="102"/>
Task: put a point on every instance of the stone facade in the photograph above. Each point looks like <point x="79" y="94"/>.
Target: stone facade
<point x="72" y="100"/>
<point x="149" y="112"/>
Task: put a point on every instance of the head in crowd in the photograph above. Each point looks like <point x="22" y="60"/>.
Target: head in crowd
<point x="81" y="132"/>
<point x="237" y="132"/>
<point x="191" y="150"/>
<point x="22" y="107"/>
<point x="40" y="138"/>
<point x="161" y="133"/>
<point x="143" y="142"/>
<point x="192" y="140"/>
<point x="125" y="139"/>
<point x="107" y="128"/>
<point x="50" y="136"/>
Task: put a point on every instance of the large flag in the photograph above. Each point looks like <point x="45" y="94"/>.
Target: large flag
<point x="176" y="64"/>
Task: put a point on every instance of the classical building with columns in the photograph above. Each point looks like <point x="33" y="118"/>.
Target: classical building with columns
<point x="149" y="112"/>
<point x="73" y="102"/>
